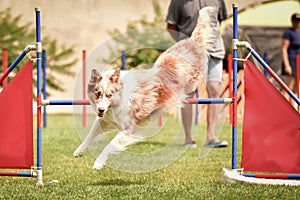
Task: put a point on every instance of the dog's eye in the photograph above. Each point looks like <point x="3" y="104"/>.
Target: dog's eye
<point x="97" y="94"/>
<point x="109" y="95"/>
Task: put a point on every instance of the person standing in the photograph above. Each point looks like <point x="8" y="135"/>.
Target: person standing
<point x="290" y="46"/>
<point x="181" y="20"/>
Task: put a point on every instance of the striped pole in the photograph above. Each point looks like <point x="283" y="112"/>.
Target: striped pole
<point x="23" y="174"/>
<point x="190" y="101"/>
<point x="13" y="65"/>
<point x="274" y="176"/>
<point x="210" y="101"/>
<point x="65" y="102"/>
<point x="39" y="100"/>
<point x="234" y="91"/>
<point x="266" y="59"/>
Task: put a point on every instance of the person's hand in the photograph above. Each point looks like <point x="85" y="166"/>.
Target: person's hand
<point x="288" y="70"/>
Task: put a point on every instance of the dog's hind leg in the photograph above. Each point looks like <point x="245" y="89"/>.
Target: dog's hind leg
<point x="94" y="131"/>
<point x="116" y="145"/>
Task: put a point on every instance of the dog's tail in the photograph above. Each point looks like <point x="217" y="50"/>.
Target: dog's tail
<point x="207" y="28"/>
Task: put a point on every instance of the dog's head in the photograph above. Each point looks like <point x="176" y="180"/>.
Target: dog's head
<point x="101" y="89"/>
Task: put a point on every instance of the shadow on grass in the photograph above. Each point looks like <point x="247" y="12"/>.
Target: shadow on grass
<point x="151" y="143"/>
<point x="117" y="182"/>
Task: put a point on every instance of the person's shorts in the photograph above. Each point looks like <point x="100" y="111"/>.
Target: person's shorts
<point x="293" y="65"/>
<point x="215" y="68"/>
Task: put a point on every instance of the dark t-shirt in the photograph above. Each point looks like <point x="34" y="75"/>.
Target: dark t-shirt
<point x="294" y="38"/>
<point x="294" y="48"/>
<point x="184" y="14"/>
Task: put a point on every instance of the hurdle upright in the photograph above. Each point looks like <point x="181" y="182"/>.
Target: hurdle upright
<point x="39" y="96"/>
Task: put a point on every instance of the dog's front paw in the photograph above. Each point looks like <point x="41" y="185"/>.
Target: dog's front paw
<point x="98" y="165"/>
<point x="78" y="153"/>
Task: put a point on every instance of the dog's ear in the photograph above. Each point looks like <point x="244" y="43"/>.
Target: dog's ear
<point x="95" y="78"/>
<point x="115" y="77"/>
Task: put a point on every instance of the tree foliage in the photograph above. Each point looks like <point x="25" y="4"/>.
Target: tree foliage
<point x="15" y="36"/>
<point x="142" y="41"/>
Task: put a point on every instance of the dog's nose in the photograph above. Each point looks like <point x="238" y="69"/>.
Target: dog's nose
<point x="101" y="110"/>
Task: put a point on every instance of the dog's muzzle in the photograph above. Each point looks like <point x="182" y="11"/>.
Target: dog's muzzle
<point x="101" y="112"/>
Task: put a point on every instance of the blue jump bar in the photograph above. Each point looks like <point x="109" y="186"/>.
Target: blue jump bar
<point x="210" y="101"/>
<point x="23" y="174"/>
<point x="65" y="102"/>
<point x="190" y="101"/>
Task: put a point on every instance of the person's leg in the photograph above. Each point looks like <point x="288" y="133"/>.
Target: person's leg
<point x="214" y="87"/>
<point x="214" y="90"/>
<point x="187" y="115"/>
<point x="290" y="81"/>
<point x="292" y="86"/>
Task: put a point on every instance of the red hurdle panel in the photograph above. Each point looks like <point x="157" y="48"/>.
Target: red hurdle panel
<point x="271" y="128"/>
<point x="16" y="128"/>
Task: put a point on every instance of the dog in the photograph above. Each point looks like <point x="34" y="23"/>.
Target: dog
<point x="141" y="92"/>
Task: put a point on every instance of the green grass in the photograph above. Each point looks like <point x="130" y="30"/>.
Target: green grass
<point x="188" y="177"/>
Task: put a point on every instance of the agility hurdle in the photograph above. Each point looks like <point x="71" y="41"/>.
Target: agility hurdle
<point x="37" y="170"/>
<point x="265" y="163"/>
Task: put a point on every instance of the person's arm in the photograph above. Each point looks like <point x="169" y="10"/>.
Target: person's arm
<point x="222" y="14"/>
<point x="172" y="29"/>
<point x="173" y="17"/>
<point x="285" y="58"/>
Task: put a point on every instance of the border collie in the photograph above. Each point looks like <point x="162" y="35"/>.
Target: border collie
<point x="134" y="97"/>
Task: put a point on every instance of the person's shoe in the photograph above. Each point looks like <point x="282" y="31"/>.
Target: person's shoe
<point x="191" y="144"/>
<point x="216" y="143"/>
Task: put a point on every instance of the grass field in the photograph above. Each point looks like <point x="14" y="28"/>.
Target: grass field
<point x="189" y="177"/>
